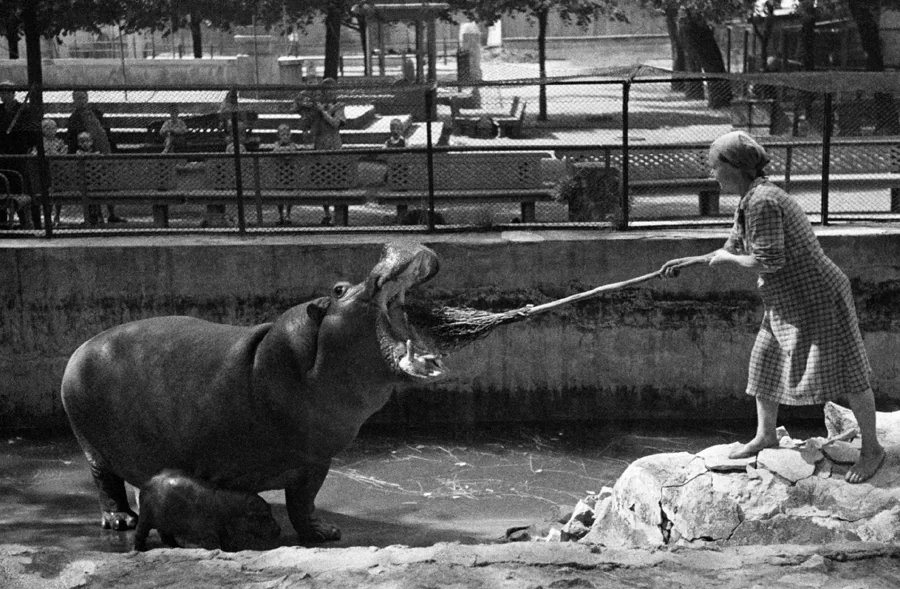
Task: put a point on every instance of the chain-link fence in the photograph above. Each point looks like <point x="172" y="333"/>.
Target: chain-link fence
<point x="627" y="148"/>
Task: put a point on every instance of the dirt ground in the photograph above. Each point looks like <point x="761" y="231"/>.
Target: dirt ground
<point x="416" y="511"/>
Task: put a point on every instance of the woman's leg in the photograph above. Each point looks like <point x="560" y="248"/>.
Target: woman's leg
<point x="871" y="454"/>
<point x="766" y="418"/>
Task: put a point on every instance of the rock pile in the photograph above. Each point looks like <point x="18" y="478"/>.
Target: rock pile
<point x="795" y="493"/>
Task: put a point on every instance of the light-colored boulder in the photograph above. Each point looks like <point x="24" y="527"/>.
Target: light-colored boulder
<point x="787" y="463"/>
<point x="716" y="458"/>
<point x="840" y="419"/>
<point x="792" y="494"/>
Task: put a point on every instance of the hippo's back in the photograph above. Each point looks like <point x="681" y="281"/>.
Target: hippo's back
<point x="158" y="392"/>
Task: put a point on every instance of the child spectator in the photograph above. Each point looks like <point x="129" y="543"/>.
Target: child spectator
<point x="85" y="147"/>
<point x="173" y="130"/>
<point x="53" y="145"/>
<point x="396" y="140"/>
<point x="85" y="144"/>
<point x="284" y="143"/>
<point x="229" y="141"/>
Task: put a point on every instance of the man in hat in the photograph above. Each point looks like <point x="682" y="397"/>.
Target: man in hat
<point x="20" y="132"/>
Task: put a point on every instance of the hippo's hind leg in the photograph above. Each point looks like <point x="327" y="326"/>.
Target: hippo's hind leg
<point x="115" y="512"/>
<point x="300" y="500"/>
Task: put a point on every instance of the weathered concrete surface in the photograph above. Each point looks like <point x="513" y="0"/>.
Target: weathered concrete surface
<point x="857" y="566"/>
<point x="676" y="348"/>
<point x="152" y="72"/>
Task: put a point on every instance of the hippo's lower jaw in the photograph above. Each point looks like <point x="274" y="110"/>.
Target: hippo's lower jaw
<point x="401" y="346"/>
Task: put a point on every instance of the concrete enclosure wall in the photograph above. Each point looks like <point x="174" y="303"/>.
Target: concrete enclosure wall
<point x="676" y="348"/>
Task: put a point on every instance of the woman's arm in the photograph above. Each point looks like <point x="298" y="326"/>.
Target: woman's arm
<point x="672" y="268"/>
<point x="333" y="116"/>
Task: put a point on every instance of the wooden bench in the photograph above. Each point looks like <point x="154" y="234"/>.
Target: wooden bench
<point x="865" y="164"/>
<point x="94" y="180"/>
<point x="280" y="179"/>
<point x="511" y="126"/>
<point x="854" y="163"/>
<point x="466" y="120"/>
<point x="466" y="177"/>
<point x="205" y="133"/>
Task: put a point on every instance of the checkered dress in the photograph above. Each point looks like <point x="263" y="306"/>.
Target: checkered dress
<point x="809" y="348"/>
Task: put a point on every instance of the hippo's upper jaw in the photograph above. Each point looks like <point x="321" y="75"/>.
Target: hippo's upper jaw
<point x="402" y="266"/>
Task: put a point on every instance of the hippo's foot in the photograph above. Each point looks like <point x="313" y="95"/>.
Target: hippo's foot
<point x="118" y="520"/>
<point x="317" y="531"/>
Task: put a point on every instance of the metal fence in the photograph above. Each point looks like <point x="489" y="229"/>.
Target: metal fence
<point x="624" y="149"/>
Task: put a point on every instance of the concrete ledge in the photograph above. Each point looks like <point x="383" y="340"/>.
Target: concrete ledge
<point x="675" y="348"/>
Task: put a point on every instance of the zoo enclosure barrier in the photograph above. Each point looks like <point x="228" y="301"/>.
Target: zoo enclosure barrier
<point x="619" y="149"/>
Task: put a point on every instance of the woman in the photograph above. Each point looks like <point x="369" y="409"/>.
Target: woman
<point x="809" y="349"/>
<point x="324" y="119"/>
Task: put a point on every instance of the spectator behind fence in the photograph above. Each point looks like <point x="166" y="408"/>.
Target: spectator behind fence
<point x="86" y="118"/>
<point x="396" y="140"/>
<point x="325" y="125"/>
<point x="19" y="134"/>
<point x="229" y="140"/>
<point x="53" y="145"/>
<point x="227" y="108"/>
<point x="86" y="147"/>
<point x="284" y="143"/>
<point x="173" y="131"/>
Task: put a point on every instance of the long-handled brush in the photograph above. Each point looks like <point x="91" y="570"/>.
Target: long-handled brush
<point x="453" y="327"/>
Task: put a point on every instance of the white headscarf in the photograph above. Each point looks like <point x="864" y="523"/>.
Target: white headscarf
<point x="741" y="151"/>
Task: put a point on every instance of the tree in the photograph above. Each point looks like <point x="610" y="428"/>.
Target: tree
<point x="171" y="15"/>
<point x="581" y="12"/>
<point x="867" y="15"/>
<point x="694" y="47"/>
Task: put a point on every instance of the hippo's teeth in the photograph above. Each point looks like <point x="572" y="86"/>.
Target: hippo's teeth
<point x="420" y="365"/>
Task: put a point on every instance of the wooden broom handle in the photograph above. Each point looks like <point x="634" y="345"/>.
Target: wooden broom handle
<point x="591" y="293"/>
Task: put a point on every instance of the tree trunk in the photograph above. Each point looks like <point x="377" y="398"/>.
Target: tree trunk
<point x="542" y="63"/>
<point x="196" y="37"/>
<point x="701" y="42"/>
<point x="866" y="14"/>
<point x="363" y="26"/>
<point x="12" y="36"/>
<point x="808" y="36"/>
<point x="691" y="88"/>
<point x="333" y="18"/>
<point x="679" y="61"/>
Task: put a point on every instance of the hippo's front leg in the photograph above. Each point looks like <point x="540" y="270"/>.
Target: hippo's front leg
<point x="300" y="500"/>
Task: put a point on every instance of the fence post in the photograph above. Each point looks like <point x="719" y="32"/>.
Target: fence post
<point x="43" y="168"/>
<point x="746" y="48"/>
<point x="622" y="221"/>
<point x="429" y="105"/>
<point x="826" y="155"/>
<point x="238" y="179"/>
<point x="728" y="50"/>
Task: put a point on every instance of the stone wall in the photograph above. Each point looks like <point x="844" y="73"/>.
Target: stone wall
<point x="675" y="348"/>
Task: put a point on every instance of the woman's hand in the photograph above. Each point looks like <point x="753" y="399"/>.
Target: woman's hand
<point x="672" y="268"/>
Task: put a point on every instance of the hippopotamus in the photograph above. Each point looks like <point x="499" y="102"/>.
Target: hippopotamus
<point x="183" y="509"/>
<point x="247" y="408"/>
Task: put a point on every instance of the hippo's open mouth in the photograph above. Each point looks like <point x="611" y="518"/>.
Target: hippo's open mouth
<point x="402" y="267"/>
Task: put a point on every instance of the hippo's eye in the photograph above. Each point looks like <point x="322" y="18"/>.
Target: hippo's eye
<point x="340" y="289"/>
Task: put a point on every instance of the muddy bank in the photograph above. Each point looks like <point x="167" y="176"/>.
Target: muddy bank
<point x="869" y="566"/>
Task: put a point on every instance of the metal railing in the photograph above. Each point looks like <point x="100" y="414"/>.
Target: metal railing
<point x="609" y="152"/>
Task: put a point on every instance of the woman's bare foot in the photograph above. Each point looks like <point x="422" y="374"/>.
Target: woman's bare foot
<point x="865" y="467"/>
<point x="753" y="447"/>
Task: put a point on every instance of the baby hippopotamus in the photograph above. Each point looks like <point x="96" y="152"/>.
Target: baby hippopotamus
<point x="186" y="510"/>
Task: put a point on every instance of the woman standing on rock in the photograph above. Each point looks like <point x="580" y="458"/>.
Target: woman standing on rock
<point x="809" y="349"/>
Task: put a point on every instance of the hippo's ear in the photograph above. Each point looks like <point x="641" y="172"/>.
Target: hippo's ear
<point x="317" y="309"/>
